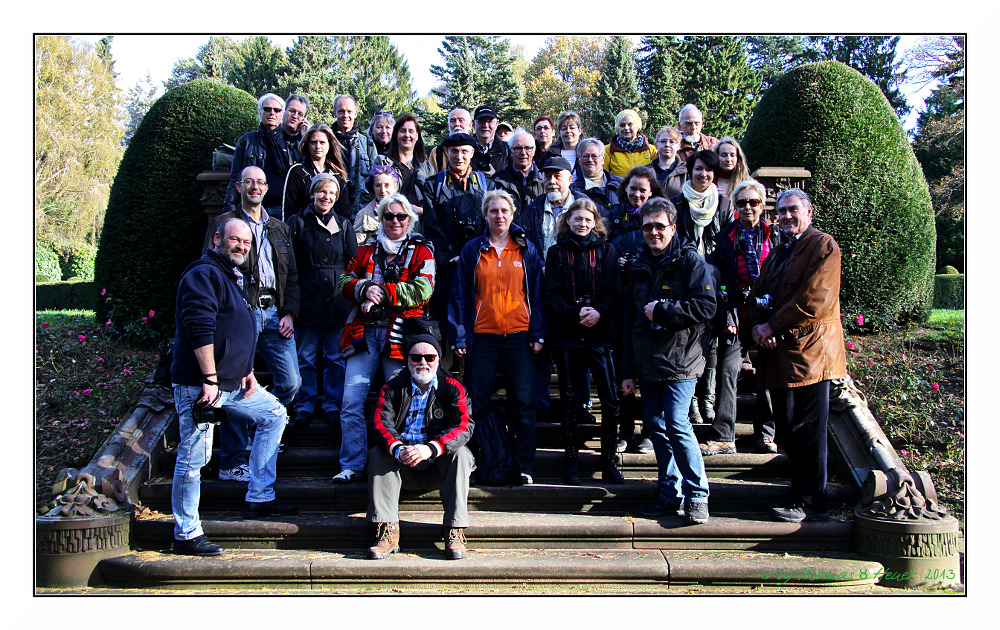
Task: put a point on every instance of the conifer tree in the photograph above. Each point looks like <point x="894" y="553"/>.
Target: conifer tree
<point x="617" y="89"/>
<point x="658" y="79"/>
<point x="717" y="77"/>
<point x="478" y="70"/>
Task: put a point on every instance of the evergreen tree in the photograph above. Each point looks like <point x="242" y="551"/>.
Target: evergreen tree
<point x="259" y="67"/>
<point x="311" y="71"/>
<point x="774" y="55"/>
<point x="873" y="56"/>
<point x="214" y="60"/>
<point x="478" y="70"/>
<point x="658" y="79"/>
<point x="617" y="89"/>
<point x="718" y="78"/>
<point x="377" y="76"/>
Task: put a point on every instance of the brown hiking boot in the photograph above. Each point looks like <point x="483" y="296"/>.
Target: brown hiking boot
<point x="454" y="544"/>
<point x="386" y="541"/>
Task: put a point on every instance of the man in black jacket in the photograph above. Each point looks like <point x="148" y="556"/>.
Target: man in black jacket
<point x="270" y="147"/>
<point x="422" y="426"/>
<point x="492" y="153"/>
<point x="358" y="151"/>
<point x="212" y="368"/>
<point x="273" y="290"/>
<point x="521" y="178"/>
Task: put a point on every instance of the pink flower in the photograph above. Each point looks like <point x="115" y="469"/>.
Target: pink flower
<point x="127" y="371"/>
<point x="103" y="291"/>
<point x="871" y="361"/>
<point x="100" y="359"/>
<point x="86" y="392"/>
<point x="861" y="320"/>
<point x="935" y="386"/>
<point x="45" y="323"/>
<point x="107" y="323"/>
<point x="151" y="313"/>
<point x="850" y="346"/>
<point x="904" y="452"/>
<point x="82" y="337"/>
<point x="144" y="320"/>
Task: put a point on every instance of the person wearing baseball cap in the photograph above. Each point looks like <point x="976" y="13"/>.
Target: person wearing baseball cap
<point x="491" y="156"/>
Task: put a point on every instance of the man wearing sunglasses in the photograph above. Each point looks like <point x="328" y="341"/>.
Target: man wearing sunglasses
<point x="669" y="300"/>
<point x="272" y="147"/>
<point x="422" y="425"/>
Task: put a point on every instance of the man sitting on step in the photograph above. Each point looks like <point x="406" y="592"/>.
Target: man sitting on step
<point x="422" y="425"/>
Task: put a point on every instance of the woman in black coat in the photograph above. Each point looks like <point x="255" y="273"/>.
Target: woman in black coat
<point x="323" y="243"/>
<point x="581" y="291"/>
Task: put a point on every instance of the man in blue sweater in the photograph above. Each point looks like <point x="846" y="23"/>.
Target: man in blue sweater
<point x="212" y="369"/>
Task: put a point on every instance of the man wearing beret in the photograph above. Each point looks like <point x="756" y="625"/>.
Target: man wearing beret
<point x="422" y="426"/>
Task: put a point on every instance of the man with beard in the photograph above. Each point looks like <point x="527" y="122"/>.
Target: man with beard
<point x="801" y="344"/>
<point x="272" y="147"/>
<point x="212" y="369"/>
<point x="539" y="218"/>
<point x="357" y="150"/>
<point x="422" y="425"/>
<point x="690" y="121"/>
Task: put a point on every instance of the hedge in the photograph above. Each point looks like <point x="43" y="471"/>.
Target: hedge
<point x="155" y="221"/>
<point x="80" y="262"/>
<point x="867" y="187"/>
<point x="77" y="294"/>
<point x="949" y="291"/>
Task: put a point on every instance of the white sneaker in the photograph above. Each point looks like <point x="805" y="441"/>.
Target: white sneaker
<point x="236" y="473"/>
<point x="526" y="479"/>
<point x="347" y="476"/>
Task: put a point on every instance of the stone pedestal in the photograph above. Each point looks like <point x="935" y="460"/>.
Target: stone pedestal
<point x="776" y="179"/>
<point x="68" y="548"/>
<point x="213" y="184"/>
<point x="921" y="553"/>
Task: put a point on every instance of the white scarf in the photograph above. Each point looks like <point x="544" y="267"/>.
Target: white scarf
<point x="703" y="206"/>
<point x="331" y="226"/>
<point x="390" y="246"/>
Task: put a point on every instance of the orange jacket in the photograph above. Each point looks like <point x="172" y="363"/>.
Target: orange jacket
<point x="501" y="304"/>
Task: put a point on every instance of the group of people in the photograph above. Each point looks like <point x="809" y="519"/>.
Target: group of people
<point x="624" y="266"/>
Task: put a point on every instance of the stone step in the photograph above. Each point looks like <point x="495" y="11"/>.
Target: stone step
<point x="554" y="568"/>
<point x="322" y="495"/>
<point x="507" y="530"/>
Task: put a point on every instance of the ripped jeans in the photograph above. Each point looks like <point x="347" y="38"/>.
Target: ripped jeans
<point x="195" y="449"/>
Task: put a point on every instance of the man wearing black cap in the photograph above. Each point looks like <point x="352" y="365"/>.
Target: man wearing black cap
<point x="422" y="426"/>
<point x="492" y="155"/>
<point x="453" y="214"/>
<point x="539" y="218"/>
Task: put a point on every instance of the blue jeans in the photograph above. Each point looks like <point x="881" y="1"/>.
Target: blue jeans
<point x="279" y="356"/>
<point x="680" y="468"/>
<point x="195" y="449"/>
<point x="511" y="355"/>
<point x="359" y="372"/>
<point x="309" y="340"/>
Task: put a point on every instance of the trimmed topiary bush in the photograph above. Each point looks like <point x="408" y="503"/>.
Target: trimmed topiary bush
<point x="867" y="187"/>
<point x="949" y="291"/>
<point x="949" y="271"/>
<point x="155" y="221"/>
<point x="46" y="264"/>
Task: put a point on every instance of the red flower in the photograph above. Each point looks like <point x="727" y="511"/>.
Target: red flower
<point x="103" y="291"/>
<point x="861" y="320"/>
<point x="151" y="313"/>
<point x="935" y="386"/>
<point x="82" y="337"/>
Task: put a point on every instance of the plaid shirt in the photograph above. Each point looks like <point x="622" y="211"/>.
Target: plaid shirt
<point x="416" y="430"/>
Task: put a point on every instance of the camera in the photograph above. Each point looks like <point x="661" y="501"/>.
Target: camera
<point x="764" y="303"/>
<point x="469" y="228"/>
<point x="204" y="413"/>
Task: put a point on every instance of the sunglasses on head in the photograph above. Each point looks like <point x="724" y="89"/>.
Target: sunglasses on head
<point x="429" y="358"/>
<point x="743" y="203"/>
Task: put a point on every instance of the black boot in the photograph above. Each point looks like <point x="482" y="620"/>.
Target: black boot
<point x="571" y="461"/>
<point x="693" y="414"/>
<point x="609" y="443"/>
<point x="706" y="401"/>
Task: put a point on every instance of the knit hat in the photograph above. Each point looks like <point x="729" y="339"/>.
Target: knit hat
<point x="423" y="338"/>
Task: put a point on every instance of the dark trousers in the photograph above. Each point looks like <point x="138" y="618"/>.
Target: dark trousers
<point x="511" y="355"/>
<point x="573" y="365"/>
<point x="801" y="415"/>
<point x="730" y="361"/>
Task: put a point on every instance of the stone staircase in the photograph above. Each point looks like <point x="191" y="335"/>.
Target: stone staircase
<point x="547" y="535"/>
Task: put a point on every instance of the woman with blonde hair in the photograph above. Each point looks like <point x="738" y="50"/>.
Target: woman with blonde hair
<point x="581" y="293"/>
<point x="732" y="165"/>
<point x="629" y="148"/>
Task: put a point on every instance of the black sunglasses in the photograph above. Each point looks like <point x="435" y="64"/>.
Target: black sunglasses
<point x="743" y="203"/>
<point x="429" y="358"/>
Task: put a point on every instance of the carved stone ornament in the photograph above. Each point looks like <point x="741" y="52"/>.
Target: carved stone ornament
<point x="91" y="491"/>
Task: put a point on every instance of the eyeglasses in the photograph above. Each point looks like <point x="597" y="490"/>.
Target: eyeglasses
<point x="250" y="182"/>
<point x="743" y="203"/>
<point x="543" y="128"/>
<point x="294" y="114"/>
<point x="389" y="216"/>
<point x="522" y="149"/>
<point x="592" y="158"/>
<point x="272" y="110"/>
<point x="429" y="358"/>
<point x="659" y="227"/>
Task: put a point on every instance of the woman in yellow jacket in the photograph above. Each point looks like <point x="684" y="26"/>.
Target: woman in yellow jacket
<point x="629" y="148"/>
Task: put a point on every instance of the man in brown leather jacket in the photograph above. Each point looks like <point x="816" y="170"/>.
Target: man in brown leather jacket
<point x="802" y="349"/>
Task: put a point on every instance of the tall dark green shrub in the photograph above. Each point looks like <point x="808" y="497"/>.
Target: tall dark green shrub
<point x="867" y="187"/>
<point x="155" y="221"/>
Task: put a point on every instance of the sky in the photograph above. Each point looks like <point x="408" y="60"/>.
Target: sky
<point x="135" y="55"/>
